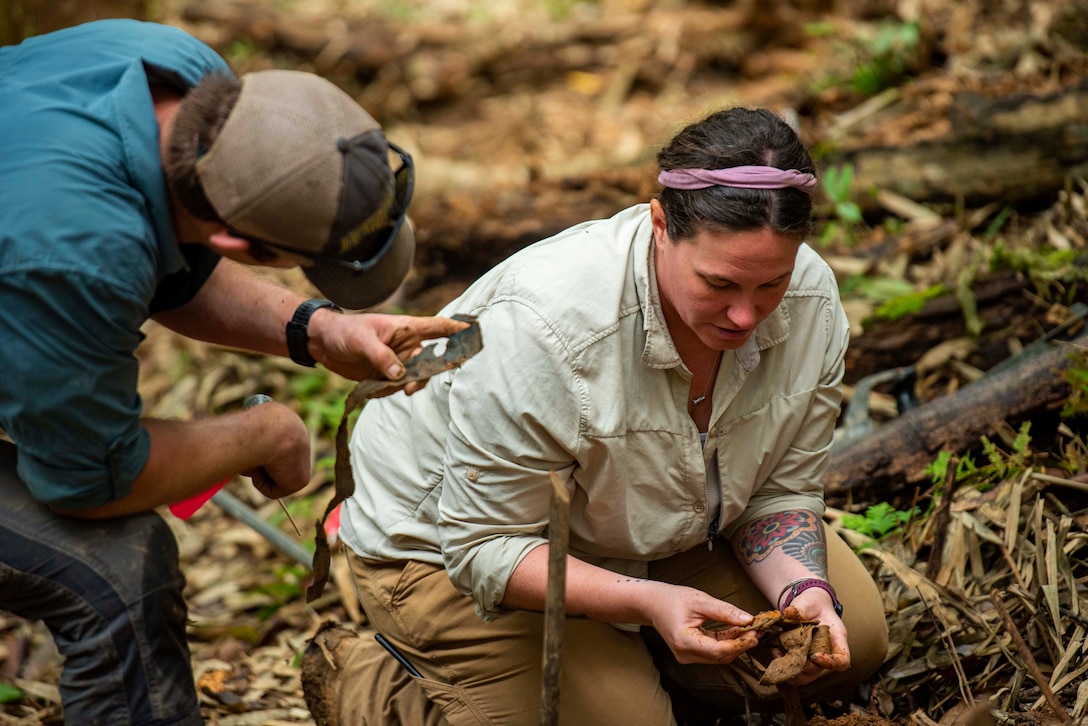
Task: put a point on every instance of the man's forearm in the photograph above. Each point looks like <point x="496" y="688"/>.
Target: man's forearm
<point x="239" y="308"/>
<point x="188" y="457"/>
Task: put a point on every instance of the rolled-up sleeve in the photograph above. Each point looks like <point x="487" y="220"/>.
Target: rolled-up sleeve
<point x="515" y="414"/>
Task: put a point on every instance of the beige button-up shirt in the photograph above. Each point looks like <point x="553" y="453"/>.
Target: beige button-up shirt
<point x="579" y="375"/>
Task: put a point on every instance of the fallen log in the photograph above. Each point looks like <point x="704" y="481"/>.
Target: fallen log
<point x="937" y="139"/>
<point x="895" y="455"/>
<point x="979" y="145"/>
<point x="21" y="19"/>
<point x="460" y="63"/>
<point x="465" y="234"/>
<point x="1006" y="307"/>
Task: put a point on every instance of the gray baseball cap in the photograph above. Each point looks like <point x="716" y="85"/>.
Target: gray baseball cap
<point x="301" y="167"/>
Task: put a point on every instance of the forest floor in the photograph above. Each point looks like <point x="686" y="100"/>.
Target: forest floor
<point x="525" y="116"/>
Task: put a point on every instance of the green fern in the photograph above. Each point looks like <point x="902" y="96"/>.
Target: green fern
<point x="879" y="520"/>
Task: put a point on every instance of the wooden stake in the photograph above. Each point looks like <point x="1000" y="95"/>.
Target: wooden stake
<point x="555" y="610"/>
<point x="1029" y="660"/>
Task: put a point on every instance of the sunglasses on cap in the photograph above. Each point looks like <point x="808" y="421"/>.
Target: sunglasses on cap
<point x="404" y="180"/>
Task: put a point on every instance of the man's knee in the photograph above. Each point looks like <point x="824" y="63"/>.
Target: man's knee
<point x="158" y="546"/>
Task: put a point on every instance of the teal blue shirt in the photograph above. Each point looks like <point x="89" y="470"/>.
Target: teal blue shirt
<point x="87" y="248"/>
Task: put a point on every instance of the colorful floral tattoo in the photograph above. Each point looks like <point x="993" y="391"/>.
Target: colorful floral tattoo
<point x="799" y="534"/>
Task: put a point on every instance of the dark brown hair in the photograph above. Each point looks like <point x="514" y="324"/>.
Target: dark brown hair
<point x="736" y="137"/>
<point x="200" y="117"/>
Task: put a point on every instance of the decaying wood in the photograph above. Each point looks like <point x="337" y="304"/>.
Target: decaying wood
<point x="964" y="139"/>
<point x="796" y="644"/>
<point x="439" y="64"/>
<point x="1004" y="308"/>
<point x="1012" y="147"/>
<point x="899" y="450"/>
<point x="984" y="144"/>
<point x="467" y="232"/>
<point x="20" y="19"/>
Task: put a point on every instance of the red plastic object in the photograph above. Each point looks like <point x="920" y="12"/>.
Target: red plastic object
<point x="332" y="525"/>
<point x="188" y="507"/>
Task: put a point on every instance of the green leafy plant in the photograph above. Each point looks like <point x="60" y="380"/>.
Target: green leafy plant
<point x="938" y="470"/>
<point x="893" y="297"/>
<point x="887" y="57"/>
<point x="845" y="214"/>
<point x="320" y="396"/>
<point x="326" y="465"/>
<point x="287" y="588"/>
<point x="241" y="52"/>
<point x="9" y="693"/>
<point x="879" y="520"/>
<point x="1076" y="375"/>
<point x="1055" y="274"/>
<point x="880" y="56"/>
<point x="999" y="463"/>
<point x="876" y="289"/>
<point x="911" y="302"/>
<point x="837" y="181"/>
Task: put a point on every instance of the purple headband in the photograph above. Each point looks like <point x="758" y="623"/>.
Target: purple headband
<point x="745" y="177"/>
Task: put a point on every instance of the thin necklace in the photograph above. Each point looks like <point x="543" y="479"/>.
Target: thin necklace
<point x="710" y="381"/>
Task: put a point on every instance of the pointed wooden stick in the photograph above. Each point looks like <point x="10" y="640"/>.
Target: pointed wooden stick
<point x="555" y="610"/>
<point x="1029" y="660"/>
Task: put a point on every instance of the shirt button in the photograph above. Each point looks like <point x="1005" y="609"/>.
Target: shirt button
<point x="473" y="474"/>
<point x="698" y="507"/>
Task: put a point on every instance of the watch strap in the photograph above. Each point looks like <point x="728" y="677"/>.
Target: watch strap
<point x="796" y="587"/>
<point x="298" y="335"/>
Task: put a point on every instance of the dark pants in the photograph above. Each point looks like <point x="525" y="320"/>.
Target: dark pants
<point x="110" y="592"/>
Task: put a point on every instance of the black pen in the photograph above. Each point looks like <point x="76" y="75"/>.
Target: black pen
<point x="397" y="654"/>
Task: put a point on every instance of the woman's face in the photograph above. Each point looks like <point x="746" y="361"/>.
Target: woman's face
<point x="719" y="287"/>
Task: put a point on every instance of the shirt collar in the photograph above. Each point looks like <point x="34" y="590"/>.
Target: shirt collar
<point x="136" y="113"/>
<point x="659" y="350"/>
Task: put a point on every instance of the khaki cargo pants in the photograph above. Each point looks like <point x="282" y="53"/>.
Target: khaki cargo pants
<point x="474" y="672"/>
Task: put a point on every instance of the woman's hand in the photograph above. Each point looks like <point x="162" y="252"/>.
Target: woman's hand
<point x="815" y="605"/>
<point x="680" y="617"/>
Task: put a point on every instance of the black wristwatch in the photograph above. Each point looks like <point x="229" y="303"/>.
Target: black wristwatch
<point x="298" y="336"/>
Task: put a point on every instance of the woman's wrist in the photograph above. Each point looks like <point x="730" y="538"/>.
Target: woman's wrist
<point x="803" y="584"/>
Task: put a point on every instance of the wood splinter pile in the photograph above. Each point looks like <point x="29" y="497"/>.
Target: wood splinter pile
<point x="799" y="639"/>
